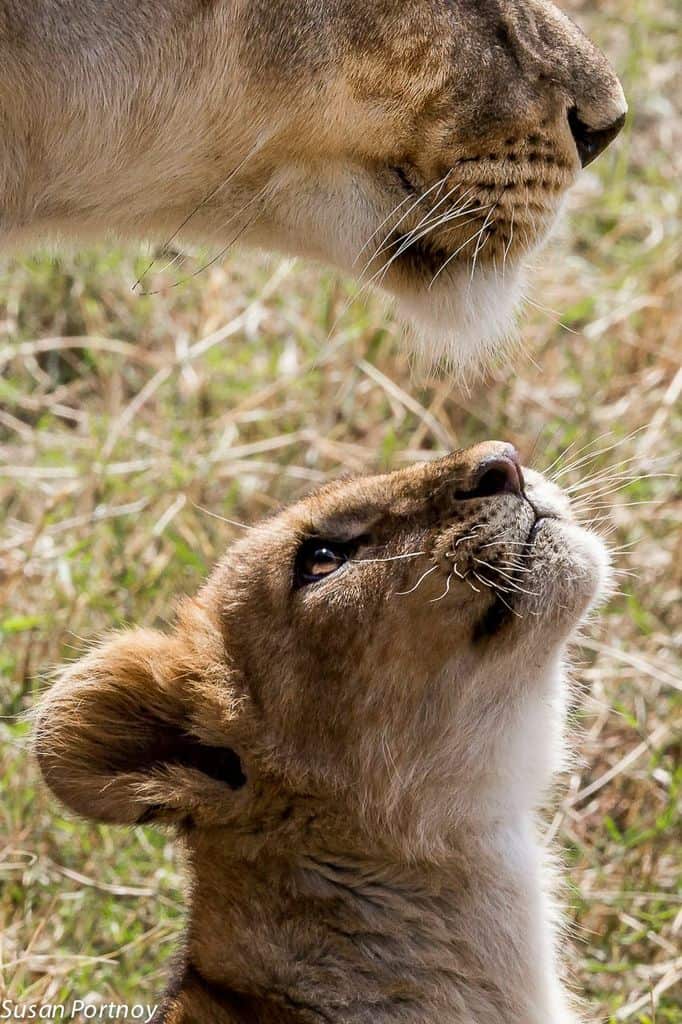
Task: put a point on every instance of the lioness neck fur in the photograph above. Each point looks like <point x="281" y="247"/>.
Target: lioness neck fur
<point x="422" y="146"/>
<point x="351" y="728"/>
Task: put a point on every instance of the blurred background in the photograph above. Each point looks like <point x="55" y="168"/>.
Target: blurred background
<point x="129" y="423"/>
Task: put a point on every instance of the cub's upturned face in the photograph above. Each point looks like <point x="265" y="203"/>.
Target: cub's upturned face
<point x="451" y="134"/>
<point x="374" y="639"/>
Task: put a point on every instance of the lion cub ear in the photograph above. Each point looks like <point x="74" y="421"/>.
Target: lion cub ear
<point x="117" y="738"/>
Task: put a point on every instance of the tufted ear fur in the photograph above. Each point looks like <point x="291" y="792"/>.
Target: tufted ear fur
<point x="132" y="733"/>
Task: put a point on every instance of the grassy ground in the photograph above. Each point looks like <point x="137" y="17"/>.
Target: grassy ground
<point x="122" y="417"/>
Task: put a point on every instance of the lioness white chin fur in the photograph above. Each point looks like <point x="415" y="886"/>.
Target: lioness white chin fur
<point x="423" y="146"/>
<point x="352" y="728"/>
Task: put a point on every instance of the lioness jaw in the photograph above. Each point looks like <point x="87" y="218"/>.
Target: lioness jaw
<point x="423" y="147"/>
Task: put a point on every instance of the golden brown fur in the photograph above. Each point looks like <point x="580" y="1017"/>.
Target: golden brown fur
<point x="345" y="130"/>
<point x="351" y="728"/>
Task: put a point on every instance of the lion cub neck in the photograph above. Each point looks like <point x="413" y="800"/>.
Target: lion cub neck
<point x="323" y="935"/>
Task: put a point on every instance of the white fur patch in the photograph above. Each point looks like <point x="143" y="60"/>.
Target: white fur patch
<point x="464" y="325"/>
<point x="589" y="547"/>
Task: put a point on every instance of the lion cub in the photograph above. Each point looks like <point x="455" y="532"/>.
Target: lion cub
<point x="351" y="728"/>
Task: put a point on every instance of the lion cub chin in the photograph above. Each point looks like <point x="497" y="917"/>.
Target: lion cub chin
<point x="351" y="728"/>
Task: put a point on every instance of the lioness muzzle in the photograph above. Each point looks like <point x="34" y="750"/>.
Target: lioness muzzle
<point x="424" y="146"/>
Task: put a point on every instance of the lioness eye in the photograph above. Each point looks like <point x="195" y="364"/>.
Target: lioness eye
<point x="317" y="559"/>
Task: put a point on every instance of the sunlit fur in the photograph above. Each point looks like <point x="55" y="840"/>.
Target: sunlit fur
<point x="487" y="298"/>
<point x="415" y="145"/>
<point x="353" y="765"/>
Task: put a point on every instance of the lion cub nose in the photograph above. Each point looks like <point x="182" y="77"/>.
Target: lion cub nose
<point x="497" y="472"/>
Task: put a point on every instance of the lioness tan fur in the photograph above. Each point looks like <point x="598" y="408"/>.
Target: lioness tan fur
<point x="424" y="146"/>
<point x="351" y="729"/>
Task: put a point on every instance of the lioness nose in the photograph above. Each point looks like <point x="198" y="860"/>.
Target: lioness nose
<point x="590" y="142"/>
<point x="556" y="56"/>
<point x="498" y="472"/>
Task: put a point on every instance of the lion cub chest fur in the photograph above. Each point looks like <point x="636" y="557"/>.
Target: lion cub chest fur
<point x="355" y="940"/>
<point x="351" y="728"/>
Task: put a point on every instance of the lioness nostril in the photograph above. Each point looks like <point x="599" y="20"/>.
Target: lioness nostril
<point x="590" y="142"/>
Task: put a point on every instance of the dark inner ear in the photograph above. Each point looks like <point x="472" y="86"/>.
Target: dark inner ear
<point x="174" y="746"/>
<point x="115" y="720"/>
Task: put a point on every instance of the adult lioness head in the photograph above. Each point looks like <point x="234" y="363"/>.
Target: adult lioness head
<point x="424" y="146"/>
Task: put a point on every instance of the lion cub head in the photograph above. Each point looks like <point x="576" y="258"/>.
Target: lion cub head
<point x="387" y="648"/>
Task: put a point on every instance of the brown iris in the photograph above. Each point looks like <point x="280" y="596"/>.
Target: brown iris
<point x="317" y="559"/>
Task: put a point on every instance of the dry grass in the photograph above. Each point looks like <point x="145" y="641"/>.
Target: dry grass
<point x="122" y="417"/>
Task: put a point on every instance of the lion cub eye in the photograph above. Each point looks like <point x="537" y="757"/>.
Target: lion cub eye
<point x="317" y="559"/>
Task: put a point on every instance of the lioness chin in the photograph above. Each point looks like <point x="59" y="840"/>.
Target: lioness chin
<point x="351" y="729"/>
<point x="423" y="146"/>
